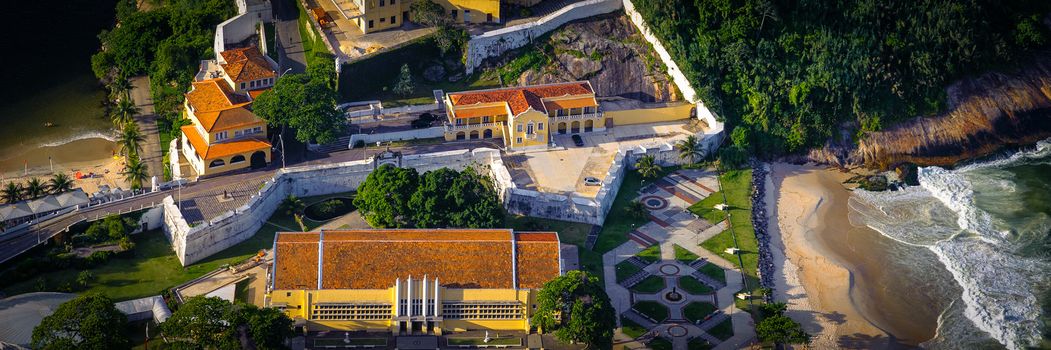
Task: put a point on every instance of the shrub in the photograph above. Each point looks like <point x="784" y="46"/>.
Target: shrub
<point x="98" y="258"/>
<point x="84" y="278"/>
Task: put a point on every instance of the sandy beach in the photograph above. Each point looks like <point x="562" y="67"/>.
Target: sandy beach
<point x="87" y="156"/>
<point x="823" y="292"/>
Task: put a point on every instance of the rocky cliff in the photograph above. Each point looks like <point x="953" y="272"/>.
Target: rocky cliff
<point x="985" y="114"/>
<point x="607" y="50"/>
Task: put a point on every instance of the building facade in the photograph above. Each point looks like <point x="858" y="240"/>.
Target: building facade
<point x="376" y="15"/>
<point x="224" y="134"/>
<point x="524" y="117"/>
<point x="417" y="281"/>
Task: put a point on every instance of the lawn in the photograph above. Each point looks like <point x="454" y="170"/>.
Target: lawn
<point x="660" y="344"/>
<point x="512" y="341"/>
<point x="626" y="269"/>
<point x="313" y="47"/>
<point x="619" y="221"/>
<point x="574" y="233"/>
<point x="714" y="271"/>
<point x="724" y="330"/>
<point x="737" y="186"/>
<point x="693" y="286"/>
<point x="373" y="78"/>
<point x="652" y="309"/>
<point x="697" y="311"/>
<point x="698" y="344"/>
<point x="153" y="267"/>
<point x="684" y="255"/>
<point x="649" y="285"/>
<point x="651" y="254"/>
<point x="706" y="208"/>
<point x="630" y="328"/>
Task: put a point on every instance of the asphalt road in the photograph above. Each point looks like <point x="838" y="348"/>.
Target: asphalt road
<point x="290" y="43"/>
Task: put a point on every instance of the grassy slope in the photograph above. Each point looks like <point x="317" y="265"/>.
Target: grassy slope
<point x="619" y="222"/>
<point x="736" y="185"/>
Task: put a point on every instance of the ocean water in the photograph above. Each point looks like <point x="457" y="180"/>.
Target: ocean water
<point x="989" y="225"/>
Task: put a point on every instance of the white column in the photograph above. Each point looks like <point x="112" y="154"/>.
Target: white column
<point x="408" y="289"/>
<point x="437" y="300"/>
<point x="423" y="295"/>
<point x="397" y="296"/>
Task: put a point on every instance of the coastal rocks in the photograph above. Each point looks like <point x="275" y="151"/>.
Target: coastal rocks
<point x="759" y="222"/>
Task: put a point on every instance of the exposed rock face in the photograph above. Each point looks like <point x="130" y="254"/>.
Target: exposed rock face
<point x="607" y="50"/>
<point x="986" y="114"/>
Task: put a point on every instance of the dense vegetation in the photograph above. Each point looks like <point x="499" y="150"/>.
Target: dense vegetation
<point x="304" y="102"/>
<point x="786" y="74"/>
<point x="399" y="197"/>
<point x="224" y="325"/>
<point x="575" y="306"/>
<point x="85" y="322"/>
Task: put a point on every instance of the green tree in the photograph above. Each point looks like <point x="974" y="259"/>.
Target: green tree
<point x="292" y="205"/>
<point x="647" y="167"/>
<point x="135" y="172"/>
<point x="199" y="321"/>
<point x="305" y="104"/>
<point x="59" y="182"/>
<point x="384" y="196"/>
<point x="35" y="188"/>
<point x="575" y="306"/>
<point x="88" y="321"/>
<point x="13" y="192"/>
<point x="451" y="39"/>
<point x="267" y="327"/>
<point x="637" y="210"/>
<point x="431" y="207"/>
<point x="124" y="113"/>
<point x="690" y="149"/>
<point x="120" y="88"/>
<point x="781" y="329"/>
<point x="84" y="278"/>
<point x="428" y="13"/>
<point x="404" y="86"/>
<point x="476" y="202"/>
<point x="130" y="140"/>
<point x="116" y="227"/>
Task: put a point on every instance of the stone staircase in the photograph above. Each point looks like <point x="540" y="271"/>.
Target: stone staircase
<point x="641" y="238"/>
<point x="712" y="282"/>
<point x="635" y="260"/>
<point x="341" y="144"/>
<point x="634" y="279"/>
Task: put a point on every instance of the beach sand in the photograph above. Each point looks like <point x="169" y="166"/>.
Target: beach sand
<point x="91" y="155"/>
<point x="820" y="282"/>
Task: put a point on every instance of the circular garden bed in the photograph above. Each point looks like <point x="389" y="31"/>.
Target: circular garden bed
<point x="329" y="209"/>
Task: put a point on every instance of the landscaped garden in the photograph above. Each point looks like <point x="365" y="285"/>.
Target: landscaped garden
<point x="736" y="186"/>
<point x="649" y="285"/>
<point x="651" y="254"/>
<point x="620" y="220"/>
<point x="713" y="271"/>
<point x="724" y="330"/>
<point x="626" y="269"/>
<point x="698" y="344"/>
<point x="697" y="311"/>
<point x="684" y="255"/>
<point x="660" y="344"/>
<point x="329" y="208"/>
<point x="693" y="286"/>
<point x="652" y="309"/>
<point x="631" y="329"/>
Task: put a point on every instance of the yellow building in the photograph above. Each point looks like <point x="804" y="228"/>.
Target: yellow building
<point x="225" y="135"/>
<point x="416" y="281"/>
<point x="524" y="117"/>
<point x="376" y="15"/>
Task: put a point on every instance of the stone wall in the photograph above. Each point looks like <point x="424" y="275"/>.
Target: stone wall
<point x="495" y="43"/>
<point x="426" y="133"/>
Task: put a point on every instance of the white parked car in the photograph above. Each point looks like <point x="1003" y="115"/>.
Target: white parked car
<point x="591" y="181"/>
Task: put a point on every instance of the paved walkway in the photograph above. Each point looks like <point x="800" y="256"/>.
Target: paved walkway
<point x="147" y="120"/>
<point x="671" y="224"/>
<point x="286" y="23"/>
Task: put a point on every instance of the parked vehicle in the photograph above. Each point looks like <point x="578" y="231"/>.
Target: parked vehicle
<point x="591" y="181"/>
<point x="577" y="140"/>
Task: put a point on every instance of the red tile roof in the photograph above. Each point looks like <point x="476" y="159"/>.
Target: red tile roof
<point x="246" y="64"/>
<point x="459" y="258"/>
<point x="221" y="149"/>
<point x="214" y="95"/>
<point x="521" y="98"/>
<point x="227" y="119"/>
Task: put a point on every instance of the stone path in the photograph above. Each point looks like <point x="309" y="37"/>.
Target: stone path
<point x="671" y="224"/>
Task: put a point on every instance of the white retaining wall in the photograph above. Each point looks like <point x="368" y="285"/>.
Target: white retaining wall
<point x="496" y="42"/>
<point x="426" y="133"/>
<point x="234" y="30"/>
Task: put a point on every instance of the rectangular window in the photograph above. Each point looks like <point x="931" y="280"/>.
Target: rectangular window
<point x="453" y="12"/>
<point x="459" y="122"/>
<point x="485" y="119"/>
<point x="237" y="133"/>
<point x="251" y="84"/>
<point x="257" y="129"/>
<point x="540" y="126"/>
<point x="561" y="113"/>
<point x="529" y="129"/>
<point x="488" y="17"/>
<point x="392" y="2"/>
<point x="519" y="128"/>
<point x="518" y="140"/>
<point x="242" y="86"/>
<point x="383" y="20"/>
<point x="589" y="110"/>
<point x="370" y="24"/>
<point x="381" y="3"/>
<point x="393" y="19"/>
<point x="219" y="136"/>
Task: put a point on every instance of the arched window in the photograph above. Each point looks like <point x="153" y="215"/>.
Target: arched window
<point x="237" y="159"/>
<point x="216" y="163"/>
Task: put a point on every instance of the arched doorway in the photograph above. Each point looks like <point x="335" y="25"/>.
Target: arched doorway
<point x="488" y="133"/>
<point x="474" y="134"/>
<point x="460" y="136"/>
<point x="589" y="125"/>
<point x="562" y="128"/>
<point x="575" y="127"/>
<point x="258" y="159"/>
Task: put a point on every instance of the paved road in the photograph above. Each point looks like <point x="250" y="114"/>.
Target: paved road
<point x="147" y="120"/>
<point x="286" y="17"/>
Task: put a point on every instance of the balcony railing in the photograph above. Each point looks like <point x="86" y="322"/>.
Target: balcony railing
<point x="577" y="116"/>
<point x="451" y="127"/>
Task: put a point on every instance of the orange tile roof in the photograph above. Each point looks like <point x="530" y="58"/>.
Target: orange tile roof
<point x="254" y="94"/>
<point x="521" y="98"/>
<point x="213" y="95"/>
<point x="246" y="64"/>
<point x="480" y="112"/>
<point x="303" y="246"/>
<point x="459" y="258"/>
<point x="227" y="119"/>
<point x="570" y="103"/>
<point x="221" y="149"/>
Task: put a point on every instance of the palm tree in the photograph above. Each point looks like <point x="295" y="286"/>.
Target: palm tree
<point x="35" y="188"/>
<point x="292" y="205"/>
<point x="121" y="87"/>
<point x="135" y="172"/>
<point x="690" y="149"/>
<point x="124" y="112"/>
<point x="59" y="183"/>
<point x="130" y="139"/>
<point x="647" y="167"/>
<point x="12" y="192"/>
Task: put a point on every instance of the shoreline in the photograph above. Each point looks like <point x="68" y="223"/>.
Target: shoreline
<point x="86" y="155"/>
<point x="808" y="220"/>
